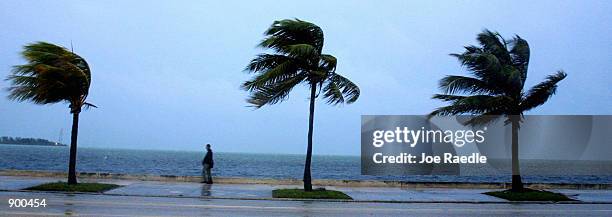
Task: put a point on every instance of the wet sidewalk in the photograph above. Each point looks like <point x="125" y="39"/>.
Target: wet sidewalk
<point x="263" y="191"/>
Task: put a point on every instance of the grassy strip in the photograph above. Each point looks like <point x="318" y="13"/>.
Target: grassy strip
<point x="529" y="195"/>
<point x="80" y="187"/>
<point x="314" y="194"/>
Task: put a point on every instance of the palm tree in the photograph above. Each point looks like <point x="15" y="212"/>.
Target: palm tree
<point x="297" y="58"/>
<point x="495" y="90"/>
<point x="53" y="74"/>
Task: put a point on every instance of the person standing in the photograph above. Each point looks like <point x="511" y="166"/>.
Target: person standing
<point x="207" y="164"/>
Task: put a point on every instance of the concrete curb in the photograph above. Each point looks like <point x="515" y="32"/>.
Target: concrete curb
<point x="309" y="200"/>
<point x="318" y="182"/>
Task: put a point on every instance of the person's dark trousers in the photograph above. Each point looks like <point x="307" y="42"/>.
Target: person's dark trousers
<point x="206" y="174"/>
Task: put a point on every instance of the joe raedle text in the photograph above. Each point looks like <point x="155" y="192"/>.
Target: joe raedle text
<point x="447" y="158"/>
<point x="412" y="137"/>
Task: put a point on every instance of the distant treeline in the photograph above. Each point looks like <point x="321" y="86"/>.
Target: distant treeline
<point x="27" y="141"/>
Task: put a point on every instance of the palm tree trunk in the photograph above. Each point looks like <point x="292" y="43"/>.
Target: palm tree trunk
<point x="307" y="176"/>
<point x="517" y="183"/>
<point x="72" y="179"/>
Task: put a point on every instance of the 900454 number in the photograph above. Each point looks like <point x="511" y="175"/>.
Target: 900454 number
<point x="18" y="203"/>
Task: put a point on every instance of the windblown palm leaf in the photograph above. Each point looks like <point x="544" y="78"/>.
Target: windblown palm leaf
<point x="297" y="59"/>
<point x="52" y="74"/>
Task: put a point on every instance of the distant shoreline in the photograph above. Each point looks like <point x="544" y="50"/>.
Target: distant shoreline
<point x="7" y="140"/>
<point x="58" y="145"/>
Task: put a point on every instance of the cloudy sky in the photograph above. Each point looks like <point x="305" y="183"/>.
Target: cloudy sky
<point x="166" y="75"/>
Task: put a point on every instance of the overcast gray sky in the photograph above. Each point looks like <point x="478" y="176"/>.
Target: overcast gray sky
<point x="166" y="75"/>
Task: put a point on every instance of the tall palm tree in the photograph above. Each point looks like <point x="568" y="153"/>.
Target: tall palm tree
<point x="495" y="89"/>
<point x="297" y="58"/>
<point x="53" y="74"/>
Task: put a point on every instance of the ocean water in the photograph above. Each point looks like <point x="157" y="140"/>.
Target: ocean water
<point x="281" y="166"/>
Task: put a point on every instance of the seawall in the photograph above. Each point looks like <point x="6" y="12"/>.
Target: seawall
<point x="317" y="182"/>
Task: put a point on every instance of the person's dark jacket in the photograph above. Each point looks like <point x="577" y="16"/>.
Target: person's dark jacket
<point x="208" y="159"/>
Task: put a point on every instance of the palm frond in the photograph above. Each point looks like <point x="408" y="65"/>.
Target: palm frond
<point x="476" y="104"/>
<point x="448" y="97"/>
<point x="304" y="51"/>
<point x="328" y="62"/>
<point x="494" y="43"/>
<point x="485" y="67"/>
<point x="88" y="105"/>
<point x="340" y="89"/>
<point x="452" y="84"/>
<point x="541" y="92"/>
<point x="279" y="73"/>
<point x="290" y="32"/>
<point x="520" y="56"/>
<point x="265" y="62"/>
<point x="273" y="93"/>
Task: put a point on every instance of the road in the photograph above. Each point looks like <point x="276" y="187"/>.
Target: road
<point x="107" y="205"/>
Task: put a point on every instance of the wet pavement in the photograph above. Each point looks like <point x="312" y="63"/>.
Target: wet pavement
<point x="18" y="183"/>
<point x="196" y="190"/>
<point x="59" y="204"/>
<point x="189" y="189"/>
<point x="424" y="194"/>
